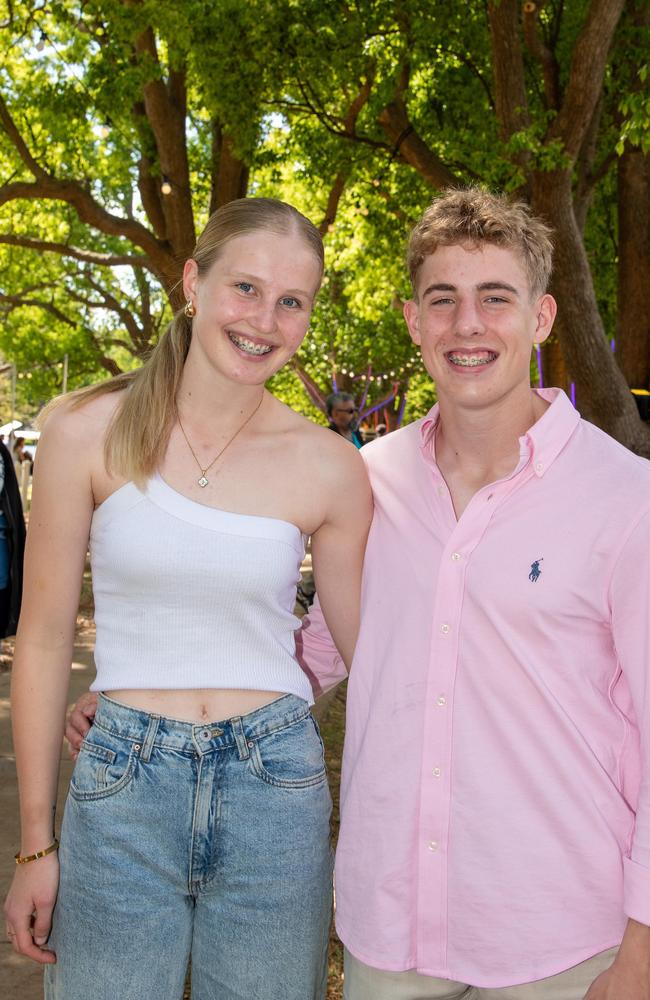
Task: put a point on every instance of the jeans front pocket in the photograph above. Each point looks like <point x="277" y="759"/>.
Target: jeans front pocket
<point x="105" y="765"/>
<point x="291" y="757"/>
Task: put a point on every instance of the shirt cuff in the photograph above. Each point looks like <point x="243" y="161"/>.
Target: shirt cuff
<point x="636" y="891"/>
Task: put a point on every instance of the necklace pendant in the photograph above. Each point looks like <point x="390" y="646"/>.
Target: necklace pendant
<point x="203" y="482"/>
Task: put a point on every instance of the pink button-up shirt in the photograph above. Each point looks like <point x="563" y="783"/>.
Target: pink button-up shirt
<point x="495" y="808"/>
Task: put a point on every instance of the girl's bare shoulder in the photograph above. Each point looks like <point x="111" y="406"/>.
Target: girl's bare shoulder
<point x="318" y="448"/>
<point x="82" y="423"/>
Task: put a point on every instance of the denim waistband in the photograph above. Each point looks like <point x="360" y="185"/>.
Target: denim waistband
<point x="148" y="729"/>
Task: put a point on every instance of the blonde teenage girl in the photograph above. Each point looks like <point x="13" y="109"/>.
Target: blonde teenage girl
<point x="197" y="822"/>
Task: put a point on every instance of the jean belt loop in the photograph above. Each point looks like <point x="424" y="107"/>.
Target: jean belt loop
<point x="240" y="738"/>
<point x="152" y="729"/>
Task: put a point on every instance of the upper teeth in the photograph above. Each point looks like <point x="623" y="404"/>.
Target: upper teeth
<point x="248" y="346"/>
<point x="471" y="360"/>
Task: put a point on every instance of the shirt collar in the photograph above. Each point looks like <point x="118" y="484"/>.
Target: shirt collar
<point x="543" y="441"/>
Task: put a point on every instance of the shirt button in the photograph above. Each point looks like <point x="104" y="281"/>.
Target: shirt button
<point x="441" y="490"/>
<point x="538" y="466"/>
<point x="444" y="628"/>
<point x="455" y="556"/>
<point x="441" y="700"/>
<point x="436" y="772"/>
<point x="433" y="845"/>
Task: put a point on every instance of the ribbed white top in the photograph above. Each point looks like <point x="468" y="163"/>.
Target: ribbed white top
<point x="187" y="596"/>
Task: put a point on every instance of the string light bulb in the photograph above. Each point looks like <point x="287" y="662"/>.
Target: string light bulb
<point x="104" y="130"/>
<point x="166" y="187"/>
<point x="40" y="45"/>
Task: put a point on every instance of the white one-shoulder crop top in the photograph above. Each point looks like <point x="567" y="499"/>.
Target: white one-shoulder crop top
<point x="187" y="596"/>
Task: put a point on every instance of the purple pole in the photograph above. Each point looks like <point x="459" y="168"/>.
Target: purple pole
<point x="573" y="393"/>
<point x="612" y="344"/>
<point x="538" y="352"/>
<point x="400" y="415"/>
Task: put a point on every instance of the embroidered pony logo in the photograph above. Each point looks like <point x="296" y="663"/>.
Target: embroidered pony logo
<point x="535" y="571"/>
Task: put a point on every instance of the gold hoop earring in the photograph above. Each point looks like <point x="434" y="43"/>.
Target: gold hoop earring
<point x="190" y="309"/>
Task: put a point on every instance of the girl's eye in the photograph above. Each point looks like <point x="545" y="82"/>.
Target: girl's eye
<point x="289" y="301"/>
<point x="244" y="286"/>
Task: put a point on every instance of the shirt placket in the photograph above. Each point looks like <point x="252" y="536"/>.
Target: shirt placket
<point x="435" y="789"/>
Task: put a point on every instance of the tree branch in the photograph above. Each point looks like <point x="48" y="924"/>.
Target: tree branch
<point x="148" y="185"/>
<point x="166" y="107"/>
<point x="88" y="256"/>
<point x="19" y="143"/>
<point x="17" y="301"/>
<point x="507" y="59"/>
<point x="411" y="147"/>
<point x="541" y="53"/>
<point x="49" y="188"/>
<point x="333" y="200"/>
<point x="110" y="302"/>
<point x="585" y="83"/>
<point x="229" y="172"/>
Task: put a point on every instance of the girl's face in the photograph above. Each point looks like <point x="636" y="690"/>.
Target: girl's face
<point x="253" y="305"/>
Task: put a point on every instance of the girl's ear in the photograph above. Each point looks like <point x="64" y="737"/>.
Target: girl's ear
<point x="190" y="279"/>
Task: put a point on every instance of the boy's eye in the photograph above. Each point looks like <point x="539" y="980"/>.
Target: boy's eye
<point x="289" y="301"/>
<point x="244" y="286"/>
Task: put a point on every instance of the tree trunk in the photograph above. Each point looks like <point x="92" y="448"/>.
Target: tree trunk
<point x="633" y="322"/>
<point x="554" y="370"/>
<point x="603" y="394"/>
<point x="229" y="173"/>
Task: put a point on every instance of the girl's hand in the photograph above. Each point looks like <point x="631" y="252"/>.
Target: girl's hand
<point x="29" y="906"/>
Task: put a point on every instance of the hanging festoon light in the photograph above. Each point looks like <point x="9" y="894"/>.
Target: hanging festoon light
<point x="166" y="187"/>
<point x="104" y="129"/>
<point x="40" y="45"/>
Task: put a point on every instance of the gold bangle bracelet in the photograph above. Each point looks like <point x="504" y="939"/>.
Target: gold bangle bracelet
<point x="35" y="857"/>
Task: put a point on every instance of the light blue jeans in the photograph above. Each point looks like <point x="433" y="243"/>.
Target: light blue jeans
<point x="209" y="841"/>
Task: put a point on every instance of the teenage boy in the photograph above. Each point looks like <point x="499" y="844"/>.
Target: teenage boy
<point x="495" y="837"/>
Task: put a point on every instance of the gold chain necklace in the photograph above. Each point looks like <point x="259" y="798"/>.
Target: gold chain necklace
<point x="203" y="480"/>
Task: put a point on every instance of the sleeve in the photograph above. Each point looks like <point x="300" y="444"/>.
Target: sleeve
<point x="630" y="606"/>
<point x="317" y="654"/>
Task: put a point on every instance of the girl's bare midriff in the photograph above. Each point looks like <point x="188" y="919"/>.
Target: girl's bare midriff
<point x="201" y="705"/>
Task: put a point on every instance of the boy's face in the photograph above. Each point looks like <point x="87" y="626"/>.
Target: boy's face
<point x="476" y="323"/>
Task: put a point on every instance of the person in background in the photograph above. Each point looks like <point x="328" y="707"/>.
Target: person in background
<point x="342" y="412"/>
<point x="12" y="545"/>
<point x="19" y="450"/>
<point x="23" y="465"/>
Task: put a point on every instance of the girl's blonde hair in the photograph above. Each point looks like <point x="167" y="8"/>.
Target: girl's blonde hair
<point x="139" y="432"/>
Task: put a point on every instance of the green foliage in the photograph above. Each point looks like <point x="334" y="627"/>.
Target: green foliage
<point x="301" y="88"/>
